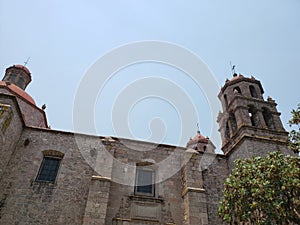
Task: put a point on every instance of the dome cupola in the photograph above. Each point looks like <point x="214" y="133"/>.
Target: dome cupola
<point x="18" y="75"/>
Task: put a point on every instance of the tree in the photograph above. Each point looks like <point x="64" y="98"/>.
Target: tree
<point x="294" y="135"/>
<point x="263" y="190"/>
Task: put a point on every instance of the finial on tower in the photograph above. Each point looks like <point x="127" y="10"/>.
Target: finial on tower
<point x="26" y="62"/>
<point x="233" y="69"/>
<point x="198" y="129"/>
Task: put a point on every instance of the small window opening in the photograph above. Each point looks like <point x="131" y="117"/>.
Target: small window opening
<point x="50" y="165"/>
<point x="48" y="170"/>
<point x="145" y="181"/>
<point x="20" y="82"/>
<point x="253" y="116"/>
<point x="268" y="118"/>
<point x="227" y="132"/>
<point x="233" y="123"/>
<point x="253" y="91"/>
<point x="237" y="90"/>
<point x="12" y="77"/>
<point x="226" y="101"/>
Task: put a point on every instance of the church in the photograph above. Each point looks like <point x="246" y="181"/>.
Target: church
<point x="56" y="177"/>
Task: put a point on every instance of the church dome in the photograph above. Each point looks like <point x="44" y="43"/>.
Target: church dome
<point x="235" y="77"/>
<point x="17" y="91"/>
<point x="199" y="138"/>
<point x="15" y="80"/>
<point x="18" y="75"/>
<point x="24" y="68"/>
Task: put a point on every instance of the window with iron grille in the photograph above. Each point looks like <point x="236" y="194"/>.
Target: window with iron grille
<point x="48" y="170"/>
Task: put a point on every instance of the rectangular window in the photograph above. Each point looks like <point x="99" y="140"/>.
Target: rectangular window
<point x="48" y="170"/>
<point x="145" y="182"/>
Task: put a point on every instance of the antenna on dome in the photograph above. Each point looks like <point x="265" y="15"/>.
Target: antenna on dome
<point x="26" y="62"/>
<point x="232" y="69"/>
<point x="198" y="129"/>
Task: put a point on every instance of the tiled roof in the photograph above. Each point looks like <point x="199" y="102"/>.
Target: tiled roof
<point x="22" y="67"/>
<point x="17" y="91"/>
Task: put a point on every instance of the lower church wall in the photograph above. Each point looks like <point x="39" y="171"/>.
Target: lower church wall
<point x="166" y="204"/>
<point x="213" y="178"/>
<point x="26" y="201"/>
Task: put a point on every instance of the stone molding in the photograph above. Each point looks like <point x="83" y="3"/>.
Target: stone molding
<point x="192" y="189"/>
<point x="106" y="179"/>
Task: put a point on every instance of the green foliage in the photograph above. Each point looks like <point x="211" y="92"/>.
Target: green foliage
<point x="263" y="190"/>
<point x="294" y="135"/>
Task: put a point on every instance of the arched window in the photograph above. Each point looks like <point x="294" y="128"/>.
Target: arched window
<point x="233" y="123"/>
<point x="253" y="115"/>
<point x="12" y="77"/>
<point x="268" y="118"/>
<point x="226" y="101"/>
<point x="253" y="91"/>
<point x="227" y="132"/>
<point x="21" y="82"/>
<point x="237" y="90"/>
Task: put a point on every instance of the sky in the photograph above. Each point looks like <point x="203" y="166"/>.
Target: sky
<point x="67" y="39"/>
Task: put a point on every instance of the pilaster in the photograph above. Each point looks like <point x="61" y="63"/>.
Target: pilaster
<point x="193" y="194"/>
<point x="95" y="210"/>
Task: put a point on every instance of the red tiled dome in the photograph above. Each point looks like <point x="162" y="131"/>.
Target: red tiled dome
<point x="199" y="137"/>
<point x="23" y="68"/>
<point x="18" y="91"/>
<point x="235" y="77"/>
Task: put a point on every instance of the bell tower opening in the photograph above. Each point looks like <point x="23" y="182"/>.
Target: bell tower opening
<point x="253" y="116"/>
<point x="268" y="118"/>
<point x="233" y="123"/>
<point x="253" y="91"/>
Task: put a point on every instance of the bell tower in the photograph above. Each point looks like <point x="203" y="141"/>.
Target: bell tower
<point x="249" y="125"/>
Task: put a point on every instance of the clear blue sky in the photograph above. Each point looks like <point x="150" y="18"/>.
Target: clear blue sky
<point x="64" y="38"/>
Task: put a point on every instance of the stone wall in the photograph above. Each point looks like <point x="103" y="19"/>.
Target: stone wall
<point x="10" y="126"/>
<point x="249" y="147"/>
<point x="32" y="115"/>
<point x="82" y="195"/>
<point x="166" y="206"/>
<point x="30" y="202"/>
<point x="213" y="177"/>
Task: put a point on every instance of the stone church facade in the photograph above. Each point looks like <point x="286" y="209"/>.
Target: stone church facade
<point x="56" y="177"/>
